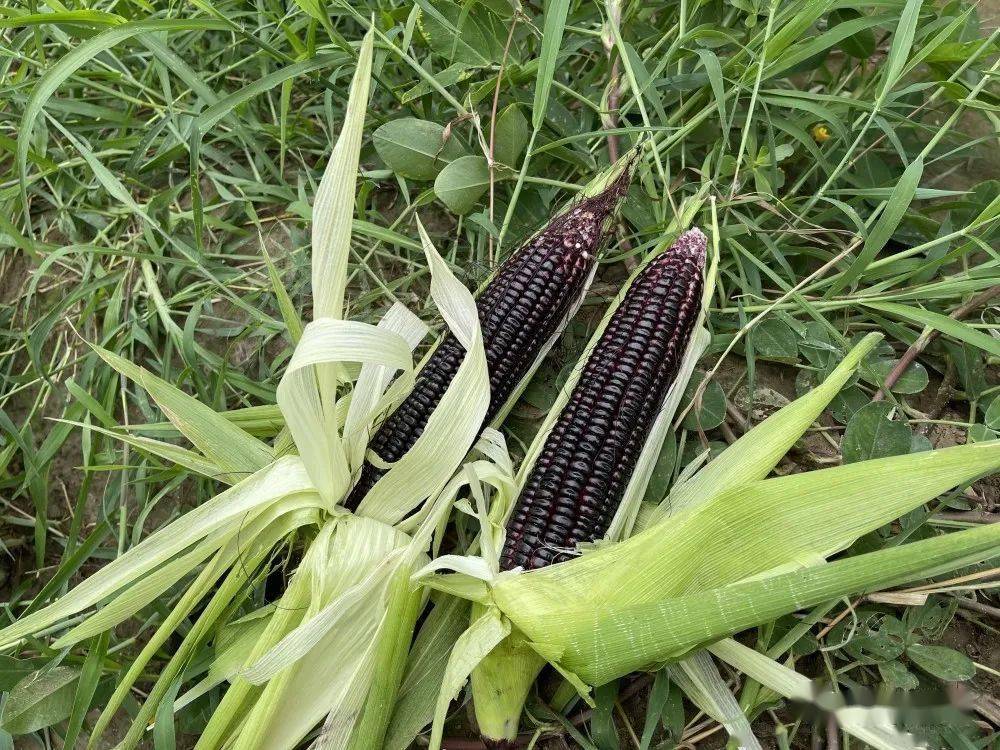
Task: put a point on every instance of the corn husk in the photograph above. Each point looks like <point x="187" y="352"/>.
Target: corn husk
<point x="747" y="552"/>
<point x="501" y="680"/>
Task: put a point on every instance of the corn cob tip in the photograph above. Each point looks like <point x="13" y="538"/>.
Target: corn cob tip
<point x="692" y="243"/>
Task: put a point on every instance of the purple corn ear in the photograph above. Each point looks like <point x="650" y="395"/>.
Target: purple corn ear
<point x="580" y="476"/>
<point x="520" y="310"/>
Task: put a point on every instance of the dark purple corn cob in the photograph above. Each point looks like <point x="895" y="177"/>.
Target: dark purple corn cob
<point x="519" y="311"/>
<point x="579" y="478"/>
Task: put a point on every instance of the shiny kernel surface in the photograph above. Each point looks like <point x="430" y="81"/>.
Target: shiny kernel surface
<point x="579" y="478"/>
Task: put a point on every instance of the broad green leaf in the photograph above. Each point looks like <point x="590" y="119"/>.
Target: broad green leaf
<point x="774" y="339"/>
<point x="897" y="676"/>
<point x="992" y="418"/>
<point x="942" y="662"/>
<point x="415" y="149"/>
<point x="913" y="380"/>
<point x="456" y="34"/>
<point x="462" y="182"/>
<point x="663" y="470"/>
<point x="710" y="411"/>
<point x="980" y="433"/>
<point x="872" y="433"/>
<point x="847" y="403"/>
<point x="512" y="133"/>
<point x="40" y="700"/>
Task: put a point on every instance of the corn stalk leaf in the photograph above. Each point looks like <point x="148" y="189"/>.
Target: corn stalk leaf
<point x="700" y="680"/>
<point x="312" y="419"/>
<point x="284" y="477"/>
<point x="327" y="661"/>
<point x="367" y="398"/>
<point x="425" y="670"/>
<point x="470" y="649"/>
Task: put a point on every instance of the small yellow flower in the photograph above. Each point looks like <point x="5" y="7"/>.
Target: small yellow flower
<point x="820" y="132"/>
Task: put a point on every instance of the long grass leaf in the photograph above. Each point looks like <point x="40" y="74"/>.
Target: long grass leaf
<point x="75" y="59"/>
<point x="227" y="446"/>
<point x="943" y="323"/>
<point x="552" y="34"/>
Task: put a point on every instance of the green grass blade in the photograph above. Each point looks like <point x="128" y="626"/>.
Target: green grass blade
<point x="895" y="208"/>
<point x="71" y="62"/>
<point x="224" y="444"/>
<point x="552" y="34"/>
<point x="943" y="323"/>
